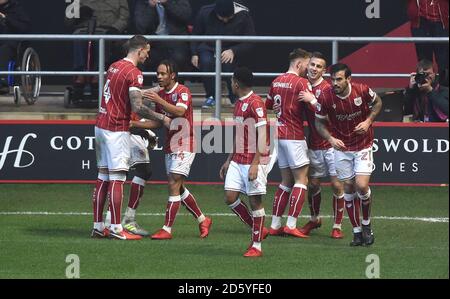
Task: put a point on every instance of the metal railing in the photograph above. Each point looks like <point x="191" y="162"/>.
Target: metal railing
<point x="335" y="41"/>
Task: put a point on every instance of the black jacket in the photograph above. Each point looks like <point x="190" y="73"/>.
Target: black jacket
<point x="432" y="106"/>
<point x="16" y="21"/>
<point x="178" y="14"/>
<point x="207" y="23"/>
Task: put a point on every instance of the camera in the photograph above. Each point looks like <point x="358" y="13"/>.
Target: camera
<point x="421" y="78"/>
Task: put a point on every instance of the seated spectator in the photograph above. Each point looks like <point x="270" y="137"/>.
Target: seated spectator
<point x="164" y="17"/>
<point x="225" y="17"/>
<point x="110" y="17"/>
<point x="426" y="99"/>
<point x="429" y="18"/>
<point x="13" y="20"/>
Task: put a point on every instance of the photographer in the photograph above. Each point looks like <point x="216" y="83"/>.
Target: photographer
<point x="426" y="100"/>
<point x="13" y="20"/>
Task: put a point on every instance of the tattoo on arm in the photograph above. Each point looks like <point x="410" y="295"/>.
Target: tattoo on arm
<point x="376" y="108"/>
<point x="137" y="105"/>
<point x="321" y="127"/>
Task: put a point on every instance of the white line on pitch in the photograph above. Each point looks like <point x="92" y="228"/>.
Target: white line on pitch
<point x="30" y="213"/>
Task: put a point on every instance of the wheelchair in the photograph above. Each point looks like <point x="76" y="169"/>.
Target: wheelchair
<point x="28" y="86"/>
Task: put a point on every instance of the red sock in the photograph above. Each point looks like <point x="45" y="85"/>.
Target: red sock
<point x="352" y="203"/>
<point x="136" y="192"/>
<point x="338" y="209"/>
<point x="116" y="197"/>
<point x="366" y="201"/>
<point x="258" y="225"/>
<point x="280" y="200"/>
<point x="241" y="210"/>
<point x="297" y="199"/>
<point x="314" y="201"/>
<point x="172" y="209"/>
<point x="99" y="198"/>
<point x="190" y="203"/>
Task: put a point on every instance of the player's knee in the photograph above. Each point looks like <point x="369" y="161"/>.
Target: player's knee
<point x="144" y="171"/>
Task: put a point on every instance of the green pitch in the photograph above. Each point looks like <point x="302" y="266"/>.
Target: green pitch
<point x="35" y="244"/>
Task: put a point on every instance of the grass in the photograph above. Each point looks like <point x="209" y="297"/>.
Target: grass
<point x="36" y="246"/>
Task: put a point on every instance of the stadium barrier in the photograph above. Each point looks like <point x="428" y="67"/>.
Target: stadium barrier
<point x="413" y="154"/>
<point x="335" y="41"/>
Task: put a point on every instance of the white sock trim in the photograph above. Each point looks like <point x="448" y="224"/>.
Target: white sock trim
<point x="174" y="198"/>
<point x="118" y="177"/>
<point x="103" y="176"/>
<point x="259" y="213"/>
<point x="349" y="196"/>
<point x="365" y="222"/>
<point x="284" y="188"/>
<point x="276" y="222"/>
<point x="201" y="218"/>
<point x="235" y="204"/>
<point x="257" y="245"/>
<point x="185" y="194"/>
<point x="139" y="181"/>
<point x="167" y="229"/>
<point x="301" y="186"/>
<point x="365" y="196"/>
<point x="339" y="197"/>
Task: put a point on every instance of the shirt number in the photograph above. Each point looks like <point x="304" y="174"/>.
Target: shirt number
<point x="107" y="91"/>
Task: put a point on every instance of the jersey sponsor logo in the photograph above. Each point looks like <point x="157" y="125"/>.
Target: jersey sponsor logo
<point x="244" y="107"/>
<point x="358" y="101"/>
<point x="174" y="97"/>
<point x="185" y="97"/>
<point x="260" y="112"/>
<point x="140" y="79"/>
<point x="318" y="92"/>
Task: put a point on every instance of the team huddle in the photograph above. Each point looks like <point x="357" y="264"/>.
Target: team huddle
<point x="339" y="116"/>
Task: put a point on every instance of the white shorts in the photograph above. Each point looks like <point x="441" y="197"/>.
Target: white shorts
<point x="349" y="164"/>
<point x="179" y="163"/>
<point x="321" y="163"/>
<point x="237" y="179"/>
<point x="139" y="151"/>
<point x="292" y="153"/>
<point x="112" y="149"/>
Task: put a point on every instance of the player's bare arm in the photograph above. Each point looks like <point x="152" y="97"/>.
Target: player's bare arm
<point x="307" y="97"/>
<point x="261" y="149"/>
<point x="169" y="108"/>
<point x="363" y="127"/>
<point x="140" y="109"/>
<point x="146" y="124"/>
<point x="321" y="126"/>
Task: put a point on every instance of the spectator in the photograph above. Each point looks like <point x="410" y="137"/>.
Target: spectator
<point x="225" y="17"/>
<point x="111" y="17"/>
<point x="164" y="17"/>
<point x="13" y="20"/>
<point x="426" y="99"/>
<point x="429" y="18"/>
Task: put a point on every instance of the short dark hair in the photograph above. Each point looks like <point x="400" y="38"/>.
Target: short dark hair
<point x="320" y="56"/>
<point x="299" y="53"/>
<point x="224" y="8"/>
<point x="244" y="76"/>
<point x="136" y="42"/>
<point x="424" y="64"/>
<point x="341" y="67"/>
<point x="171" y="66"/>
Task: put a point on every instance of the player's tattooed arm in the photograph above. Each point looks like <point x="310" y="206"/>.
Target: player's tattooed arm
<point x="138" y="107"/>
<point x="321" y="127"/>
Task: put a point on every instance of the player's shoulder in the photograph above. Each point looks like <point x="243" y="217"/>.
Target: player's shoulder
<point x="360" y="87"/>
<point x="183" y="89"/>
<point x="256" y="100"/>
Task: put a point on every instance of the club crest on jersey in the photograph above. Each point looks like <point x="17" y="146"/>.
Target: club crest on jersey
<point x="140" y="79"/>
<point x="318" y="107"/>
<point x="239" y="119"/>
<point x="358" y="101"/>
<point x="260" y="112"/>
<point x="185" y="97"/>
<point x="318" y="92"/>
<point x="334" y="106"/>
<point x="174" y="97"/>
<point x="244" y="107"/>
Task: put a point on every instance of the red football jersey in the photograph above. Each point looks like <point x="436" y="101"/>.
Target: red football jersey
<point x="315" y="141"/>
<point x="181" y="139"/>
<point x="115" y="109"/>
<point x="285" y="90"/>
<point x="249" y="114"/>
<point x="346" y="113"/>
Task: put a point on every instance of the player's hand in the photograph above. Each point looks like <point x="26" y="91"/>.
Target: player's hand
<point x="152" y="142"/>
<point x="362" y="127"/>
<point x="223" y="170"/>
<point x="194" y="61"/>
<point x="412" y="80"/>
<point x="227" y="56"/>
<point x="151" y="95"/>
<point x="276" y="108"/>
<point x="306" y="96"/>
<point x="2" y="16"/>
<point x="337" y="144"/>
<point x="253" y="172"/>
